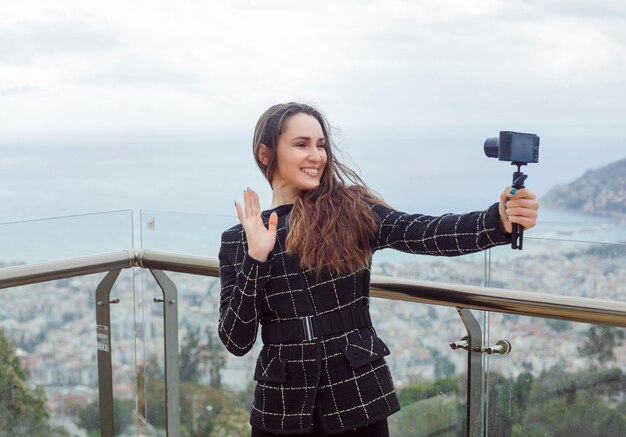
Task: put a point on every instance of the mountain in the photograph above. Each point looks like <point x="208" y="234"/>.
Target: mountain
<point x="600" y="191"/>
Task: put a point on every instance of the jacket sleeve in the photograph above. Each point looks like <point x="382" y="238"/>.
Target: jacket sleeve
<point x="242" y="281"/>
<point x="446" y="235"/>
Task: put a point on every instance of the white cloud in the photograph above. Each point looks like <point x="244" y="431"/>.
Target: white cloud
<point x="27" y="41"/>
<point x="194" y="64"/>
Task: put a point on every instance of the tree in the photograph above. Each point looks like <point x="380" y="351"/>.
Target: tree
<point x="443" y="366"/>
<point x="189" y="357"/>
<point x="231" y="423"/>
<point x="429" y="408"/>
<point x="202" y="407"/>
<point x="561" y="403"/>
<point x="217" y="359"/>
<point x="599" y="343"/>
<point x="22" y="410"/>
<point x="559" y="325"/>
<point x="418" y="391"/>
<point x="586" y="416"/>
<point x="508" y="400"/>
<point x="89" y="417"/>
<point x="151" y="392"/>
<point x="194" y="354"/>
<point x="199" y="407"/>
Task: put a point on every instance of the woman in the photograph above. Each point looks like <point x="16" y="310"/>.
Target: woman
<point x="302" y="268"/>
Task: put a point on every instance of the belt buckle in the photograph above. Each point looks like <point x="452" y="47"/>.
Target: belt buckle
<point x="307" y="324"/>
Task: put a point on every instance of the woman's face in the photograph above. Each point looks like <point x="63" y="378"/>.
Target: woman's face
<point x="300" y="154"/>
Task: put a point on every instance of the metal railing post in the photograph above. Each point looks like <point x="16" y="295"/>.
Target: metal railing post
<point x="170" y="325"/>
<point x="105" y="371"/>
<point x="476" y="421"/>
<point x="474" y="373"/>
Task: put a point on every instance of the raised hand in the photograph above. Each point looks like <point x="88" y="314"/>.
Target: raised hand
<point x="261" y="240"/>
<point x="518" y="206"/>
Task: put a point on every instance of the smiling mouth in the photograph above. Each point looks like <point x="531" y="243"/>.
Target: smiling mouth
<point x="310" y="171"/>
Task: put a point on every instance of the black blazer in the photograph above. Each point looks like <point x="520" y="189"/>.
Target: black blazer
<point x="344" y="375"/>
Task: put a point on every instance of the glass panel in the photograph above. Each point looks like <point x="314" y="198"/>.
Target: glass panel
<point x="429" y="377"/>
<point x="570" y="268"/>
<point x="560" y="378"/>
<point x="468" y="269"/>
<point x="51" y="330"/>
<point x="215" y="386"/>
<point x="50" y="239"/>
<point x="189" y="234"/>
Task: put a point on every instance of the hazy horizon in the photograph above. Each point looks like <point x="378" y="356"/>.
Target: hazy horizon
<point x="419" y="171"/>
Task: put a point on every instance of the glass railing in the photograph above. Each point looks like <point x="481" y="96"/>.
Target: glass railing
<point x="569" y="268"/>
<point x="35" y="241"/>
<point x="50" y="328"/>
<point x="430" y="378"/>
<point x="185" y="233"/>
<point x="549" y="368"/>
<point x="212" y="383"/>
<point x="561" y="377"/>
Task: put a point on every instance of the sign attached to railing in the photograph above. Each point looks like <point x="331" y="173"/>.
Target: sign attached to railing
<point x="103" y="338"/>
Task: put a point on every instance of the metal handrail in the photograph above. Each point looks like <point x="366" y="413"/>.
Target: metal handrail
<point x="172" y="262"/>
<point x="14" y="276"/>
<point x="577" y="309"/>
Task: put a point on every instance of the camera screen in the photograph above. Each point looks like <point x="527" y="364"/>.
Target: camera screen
<point x="523" y="147"/>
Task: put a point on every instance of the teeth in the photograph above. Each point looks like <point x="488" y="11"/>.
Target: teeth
<point x="311" y="171"/>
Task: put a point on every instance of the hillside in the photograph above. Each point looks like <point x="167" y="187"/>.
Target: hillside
<point x="600" y="191"/>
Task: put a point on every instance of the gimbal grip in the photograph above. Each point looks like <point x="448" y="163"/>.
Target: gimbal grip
<point x="517" y="231"/>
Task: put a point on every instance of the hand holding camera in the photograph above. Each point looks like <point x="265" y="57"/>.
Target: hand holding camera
<point x="518" y="206"/>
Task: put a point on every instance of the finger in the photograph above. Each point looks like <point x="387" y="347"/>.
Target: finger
<point x="505" y="195"/>
<point x="525" y="222"/>
<point x="273" y="222"/>
<point x="522" y="203"/>
<point x="256" y="204"/>
<point x="521" y="212"/>
<point x="247" y="202"/>
<point x="509" y="193"/>
<point x="513" y="193"/>
<point x="239" y="212"/>
<point x="523" y="193"/>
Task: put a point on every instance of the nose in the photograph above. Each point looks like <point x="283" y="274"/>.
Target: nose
<point x="315" y="154"/>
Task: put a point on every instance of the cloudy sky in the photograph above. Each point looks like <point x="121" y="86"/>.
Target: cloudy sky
<point x="415" y="87"/>
<point x="76" y="66"/>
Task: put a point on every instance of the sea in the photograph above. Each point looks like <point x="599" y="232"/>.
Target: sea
<point x="76" y="197"/>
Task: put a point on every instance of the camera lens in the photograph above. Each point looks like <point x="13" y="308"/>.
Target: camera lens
<point x="492" y="147"/>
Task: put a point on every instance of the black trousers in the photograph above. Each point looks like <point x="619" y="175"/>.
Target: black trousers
<point x="377" y="429"/>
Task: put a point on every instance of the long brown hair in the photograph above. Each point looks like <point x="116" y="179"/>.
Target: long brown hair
<point x="332" y="225"/>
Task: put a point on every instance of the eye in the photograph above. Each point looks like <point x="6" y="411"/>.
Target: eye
<point x="300" y="145"/>
<point x="322" y="146"/>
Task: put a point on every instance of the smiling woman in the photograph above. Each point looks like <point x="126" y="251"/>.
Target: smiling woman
<point x="300" y="157"/>
<point x="302" y="270"/>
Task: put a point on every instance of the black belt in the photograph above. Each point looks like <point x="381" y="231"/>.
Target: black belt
<point x="311" y="327"/>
